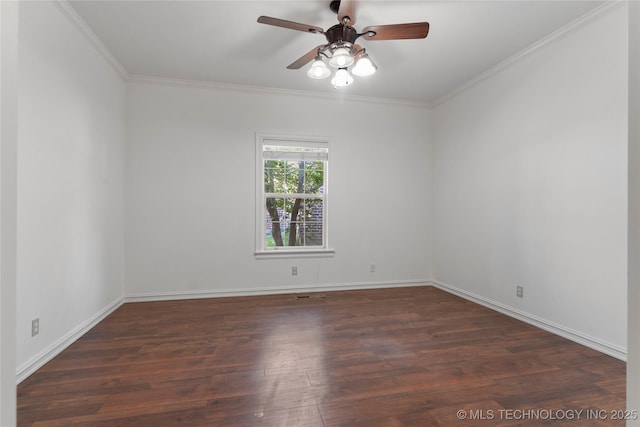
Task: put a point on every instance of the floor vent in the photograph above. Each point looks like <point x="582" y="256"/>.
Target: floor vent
<point x="311" y="296"/>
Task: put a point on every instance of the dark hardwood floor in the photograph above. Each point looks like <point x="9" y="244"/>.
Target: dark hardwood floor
<point x="390" y="357"/>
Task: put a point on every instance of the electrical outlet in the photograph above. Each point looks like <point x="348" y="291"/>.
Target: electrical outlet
<point x="519" y="291"/>
<point x="372" y="268"/>
<point x="35" y="327"/>
<point x="294" y="271"/>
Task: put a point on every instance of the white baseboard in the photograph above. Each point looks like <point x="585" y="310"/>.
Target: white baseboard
<point x="235" y="292"/>
<point x="36" y="362"/>
<point x="575" y="336"/>
<point x="56" y="348"/>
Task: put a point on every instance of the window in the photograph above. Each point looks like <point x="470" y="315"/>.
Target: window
<point x="291" y="196"/>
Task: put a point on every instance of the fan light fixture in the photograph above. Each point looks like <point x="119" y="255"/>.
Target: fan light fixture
<point x="341" y="51"/>
<point x="364" y="66"/>
<point x="342" y="78"/>
<point x="342" y="57"/>
<point x="319" y="69"/>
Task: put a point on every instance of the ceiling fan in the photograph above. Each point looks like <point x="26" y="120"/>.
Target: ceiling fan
<point x="341" y="49"/>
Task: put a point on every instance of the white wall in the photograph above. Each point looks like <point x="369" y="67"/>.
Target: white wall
<point x="529" y="188"/>
<point x="8" y="210"/>
<point x="191" y="185"/>
<point x="530" y="184"/>
<point x="70" y="182"/>
<point x="633" y="360"/>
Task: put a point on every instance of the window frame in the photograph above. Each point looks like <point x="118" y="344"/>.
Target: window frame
<point x="260" y="204"/>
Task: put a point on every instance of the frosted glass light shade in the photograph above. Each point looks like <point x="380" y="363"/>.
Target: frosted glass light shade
<point x="318" y="70"/>
<point x="364" y="67"/>
<point x="342" y="78"/>
<point x="341" y="58"/>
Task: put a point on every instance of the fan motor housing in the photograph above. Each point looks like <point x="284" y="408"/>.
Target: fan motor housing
<point x="342" y="33"/>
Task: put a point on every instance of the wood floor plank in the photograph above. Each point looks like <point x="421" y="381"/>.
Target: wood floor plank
<point x="410" y="356"/>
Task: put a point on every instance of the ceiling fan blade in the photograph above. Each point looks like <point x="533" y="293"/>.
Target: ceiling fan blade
<point x="290" y="24"/>
<point x="415" y="30"/>
<point x="305" y="59"/>
<point x="347" y="10"/>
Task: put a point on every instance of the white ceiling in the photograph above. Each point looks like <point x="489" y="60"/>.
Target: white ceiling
<point x="220" y="41"/>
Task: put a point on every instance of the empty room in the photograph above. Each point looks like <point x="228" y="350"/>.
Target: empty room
<point x="319" y="213"/>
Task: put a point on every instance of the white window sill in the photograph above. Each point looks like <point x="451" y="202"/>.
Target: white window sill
<point x="295" y="253"/>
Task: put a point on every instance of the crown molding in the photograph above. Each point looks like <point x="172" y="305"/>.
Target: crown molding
<point x="565" y="30"/>
<point x="83" y="27"/>
<point x="203" y="84"/>
<point x="77" y="21"/>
